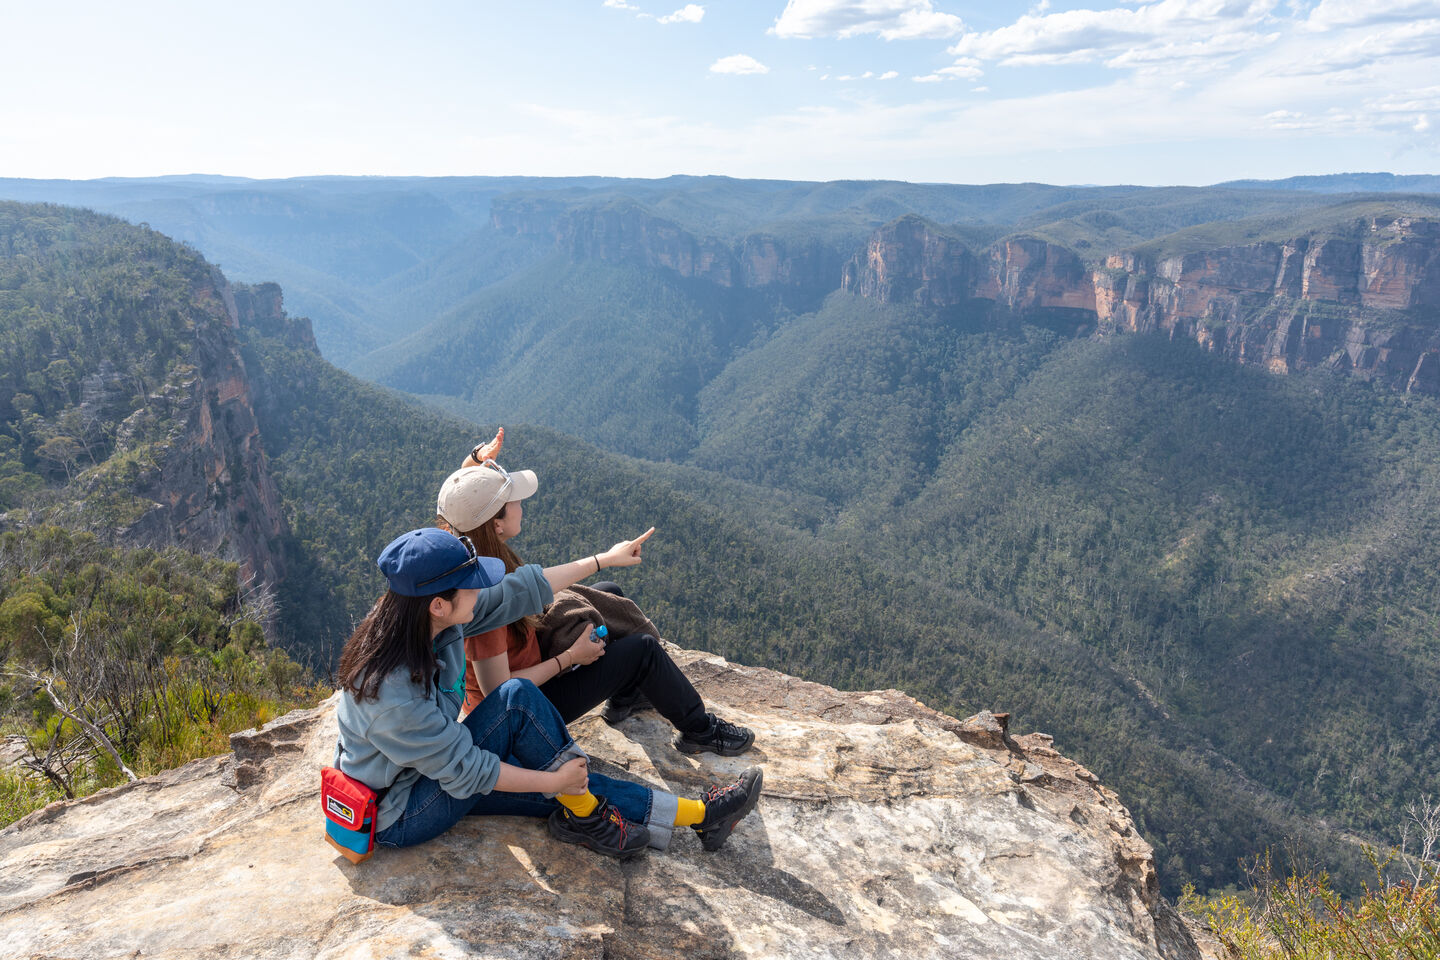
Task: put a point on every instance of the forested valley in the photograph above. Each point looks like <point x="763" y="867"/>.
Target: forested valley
<point x="1213" y="584"/>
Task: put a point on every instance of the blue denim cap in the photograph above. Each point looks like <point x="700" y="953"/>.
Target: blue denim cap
<point x="428" y="561"/>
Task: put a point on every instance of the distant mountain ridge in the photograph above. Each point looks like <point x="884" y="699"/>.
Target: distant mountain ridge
<point x="364" y="277"/>
<point x="1346" y="183"/>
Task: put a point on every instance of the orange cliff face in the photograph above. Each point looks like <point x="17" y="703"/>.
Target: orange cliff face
<point x="1368" y="304"/>
<point x="910" y="262"/>
<point x="913" y="261"/>
<point x="1026" y="274"/>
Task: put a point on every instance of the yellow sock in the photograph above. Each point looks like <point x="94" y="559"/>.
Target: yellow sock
<point x="689" y="812"/>
<point x="580" y="804"/>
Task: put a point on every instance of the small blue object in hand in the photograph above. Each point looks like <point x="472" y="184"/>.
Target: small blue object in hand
<point x="600" y="633"/>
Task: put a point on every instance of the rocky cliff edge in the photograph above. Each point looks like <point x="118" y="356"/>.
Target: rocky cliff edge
<point x="886" y="829"/>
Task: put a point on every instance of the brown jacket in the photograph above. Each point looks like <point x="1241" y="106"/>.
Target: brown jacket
<point x="580" y="606"/>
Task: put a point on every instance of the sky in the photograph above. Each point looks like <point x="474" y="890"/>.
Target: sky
<point x="1140" y="91"/>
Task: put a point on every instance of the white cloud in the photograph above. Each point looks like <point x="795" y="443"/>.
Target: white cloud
<point x="931" y="78"/>
<point x="740" y="64"/>
<point x="690" y="13"/>
<point x="1364" y="47"/>
<point x="890" y="19"/>
<point x="1163" y="31"/>
<point x="869" y="75"/>
<point x="619" y="5"/>
<point x="966" y="68"/>
<point x="1359" y="13"/>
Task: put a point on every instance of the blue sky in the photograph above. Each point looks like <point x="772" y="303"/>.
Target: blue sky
<point x="1144" y="91"/>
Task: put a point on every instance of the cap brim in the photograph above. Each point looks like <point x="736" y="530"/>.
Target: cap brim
<point x="487" y="573"/>
<point x="523" y="484"/>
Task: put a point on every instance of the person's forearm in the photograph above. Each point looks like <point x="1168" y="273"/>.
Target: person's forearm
<point x="547" y="669"/>
<point x="573" y="572"/>
<point x="515" y="779"/>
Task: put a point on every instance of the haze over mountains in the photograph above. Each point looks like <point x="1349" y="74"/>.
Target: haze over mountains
<point x="1154" y="468"/>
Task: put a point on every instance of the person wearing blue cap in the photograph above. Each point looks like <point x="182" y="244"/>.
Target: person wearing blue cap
<point x="401" y="675"/>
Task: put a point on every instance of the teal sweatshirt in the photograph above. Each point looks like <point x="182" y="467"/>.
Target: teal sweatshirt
<point x="404" y="733"/>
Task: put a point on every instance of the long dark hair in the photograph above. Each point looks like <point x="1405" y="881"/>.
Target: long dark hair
<point x="394" y="635"/>
<point x="488" y="544"/>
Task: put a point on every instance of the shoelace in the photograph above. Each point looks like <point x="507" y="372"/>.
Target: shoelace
<point x="727" y="730"/>
<point x="716" y="792"/>
<point x="619" y="821"/>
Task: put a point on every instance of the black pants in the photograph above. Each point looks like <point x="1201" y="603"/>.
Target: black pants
<point x="632" y="662"/>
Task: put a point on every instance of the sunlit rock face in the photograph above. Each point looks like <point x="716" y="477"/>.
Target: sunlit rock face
<point x="1368" y="305"/>
<point x="886" y="829"/>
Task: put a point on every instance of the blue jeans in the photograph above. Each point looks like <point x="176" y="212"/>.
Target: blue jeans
<point x="517" y="724"/>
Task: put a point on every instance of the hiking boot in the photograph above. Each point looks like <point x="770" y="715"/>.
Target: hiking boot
<point x="604" y="831"/>
<point x="620" y="706"/>
<point x="722" y="737"/>
<point x="726" y="806"/>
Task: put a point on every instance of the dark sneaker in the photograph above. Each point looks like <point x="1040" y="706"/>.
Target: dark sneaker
<point x="604" y="831"/>
<point x="726" y="806"/>
<point x="620" y="706"/>
<point x="723" y="737"/>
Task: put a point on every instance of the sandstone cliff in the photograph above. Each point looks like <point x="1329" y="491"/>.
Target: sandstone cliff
<point x="1367" y="303"/>
<point x="192" y="448"/>
<point x="885" y="829"/>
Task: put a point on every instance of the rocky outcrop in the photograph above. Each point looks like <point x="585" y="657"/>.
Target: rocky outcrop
<point x="193" y="450"/>
<point x="886" y="829"/>
<point x="911" y="260"/>
<point x="261" y="307"/>
<point x="764" y="261"/>
<point x="1025" y="274"/>
<point x="625" y="232"/>
<point x="1367" y="303"/>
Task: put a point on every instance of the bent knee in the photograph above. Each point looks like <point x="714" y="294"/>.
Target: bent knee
<point x="641" y="642"/>
<point x="517" y="688"/>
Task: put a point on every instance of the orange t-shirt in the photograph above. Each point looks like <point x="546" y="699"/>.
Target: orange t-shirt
<point x="521" y="646"/>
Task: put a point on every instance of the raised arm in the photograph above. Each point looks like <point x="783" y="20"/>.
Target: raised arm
<point x="626" y="553"/>
<point x="485" y="451"/>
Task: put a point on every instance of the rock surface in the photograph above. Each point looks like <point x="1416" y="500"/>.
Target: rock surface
<point x="886" y="829"/>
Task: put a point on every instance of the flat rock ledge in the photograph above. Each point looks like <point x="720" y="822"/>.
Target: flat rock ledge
<point x="886" y="830"/>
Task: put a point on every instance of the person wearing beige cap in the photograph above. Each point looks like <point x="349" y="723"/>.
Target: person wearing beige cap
<point x="485" y="504"/>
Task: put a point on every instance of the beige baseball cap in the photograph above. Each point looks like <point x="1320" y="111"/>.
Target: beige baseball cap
<point x="472" y="495"/>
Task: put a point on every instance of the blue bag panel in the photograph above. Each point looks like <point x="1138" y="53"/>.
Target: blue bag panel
<point x="355" y="840"/>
